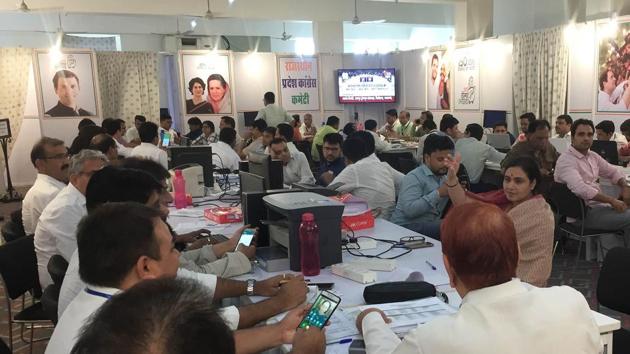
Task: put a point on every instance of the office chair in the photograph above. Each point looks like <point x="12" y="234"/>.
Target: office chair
<point x="613" y="291"/>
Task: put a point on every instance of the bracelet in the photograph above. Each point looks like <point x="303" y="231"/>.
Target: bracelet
<point x="453" y="186"/>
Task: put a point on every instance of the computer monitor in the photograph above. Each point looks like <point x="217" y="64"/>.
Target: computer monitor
<point x="490" y="118"/>
<point x="560" y="144"/>
<point x="271" y="170"/>
<point x="249" y="118"/>
<point x="251" y="182"/>
<point x="499" y="141"/>
<point x="201" y="155"/>
<point x="607" y="150"/>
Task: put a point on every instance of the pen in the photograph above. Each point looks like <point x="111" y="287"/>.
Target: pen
<point x="431" y="265"/>
<point x="345" y="340"/>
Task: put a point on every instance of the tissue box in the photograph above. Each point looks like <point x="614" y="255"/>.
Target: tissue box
<point x="224" y="215"/>
<point x="357" y="215"/>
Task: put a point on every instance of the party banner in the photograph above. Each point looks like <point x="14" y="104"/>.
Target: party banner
<point x="206" y="82"/>
<point x="466" y="86"/>
<point x="299" y="83"/>
<point x="613" y="74"/>
<point x="439" y="80"/>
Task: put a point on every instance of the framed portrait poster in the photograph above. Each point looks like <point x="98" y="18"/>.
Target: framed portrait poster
<point x="439" y="80"/>
<point x="466" y="85"/>
<point x="206" y="82"/>
<point x="67" y="83"/>
<point x="613" y="68"/>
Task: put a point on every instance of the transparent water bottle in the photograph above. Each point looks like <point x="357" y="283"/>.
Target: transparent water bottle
<point x="179" y="189"/>
<point x="309" y="245"/>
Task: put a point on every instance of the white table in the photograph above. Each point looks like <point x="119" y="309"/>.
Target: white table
<point x="352" y="292"/>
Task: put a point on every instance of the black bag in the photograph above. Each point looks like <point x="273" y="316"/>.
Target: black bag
<point x="397" y="291"/>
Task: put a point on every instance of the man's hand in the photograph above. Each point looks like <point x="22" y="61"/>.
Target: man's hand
<point x="198" y="244"/>
<point x="453" y="164"/>
<point x="443" y="190"/>
<point x="292" y="293"/>
<point x="361" y="316"/>
<point x="310" y="341"/>
<point x="249" y="252"/>
<point x="618" y="205"/>
<point x="625" y="194"/>
<point x="327" y="177"/>
<point x="290" y="322"/>
<point x="271" y="286"/>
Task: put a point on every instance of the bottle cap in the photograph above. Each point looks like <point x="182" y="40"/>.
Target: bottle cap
<point x="308" y="217"/>
<point x="178" y="173"/>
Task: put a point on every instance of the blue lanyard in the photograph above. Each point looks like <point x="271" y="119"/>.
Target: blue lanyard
<point x="97" y="293"/>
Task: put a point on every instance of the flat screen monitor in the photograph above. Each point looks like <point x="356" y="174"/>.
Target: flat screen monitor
<point x="271" y="170"/>
<point x="366" y="85"/>
<point x="201" y="155"/>
<point x="251" y="183"/>
<point x="249" y="118"/>
<point x="607" y="150"/>
<point x="490" y="118"/>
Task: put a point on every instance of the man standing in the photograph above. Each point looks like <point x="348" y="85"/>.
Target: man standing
<point x="580" y="169"/>
<point x="55" y="232"/>
<point x="333" y="162"/>
<point x="272" y="113"/>
<point x="308" y="130"/>
<point x="148" y="147"/>
<point x="424" y="192"/>
<point x="332" y="126"/>
<point x="50" y="158"/>
<point x="474" y="156"/>
<point x="563" y="127"/>
<point x="296" y="168"/>
<point x="67" y="88"/>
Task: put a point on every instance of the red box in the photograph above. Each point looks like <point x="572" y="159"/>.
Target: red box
<point x="224" y="215"/>
<point x="357" y="215"/>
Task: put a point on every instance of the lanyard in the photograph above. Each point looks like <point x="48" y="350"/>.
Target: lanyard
<point x="97" y="293"/>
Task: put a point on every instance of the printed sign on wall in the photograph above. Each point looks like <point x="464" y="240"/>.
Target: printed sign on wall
<point x="299" y="83"/>
<point x="466" y="90"/>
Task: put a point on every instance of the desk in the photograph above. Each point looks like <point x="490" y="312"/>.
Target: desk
<point x="352" y="292"/>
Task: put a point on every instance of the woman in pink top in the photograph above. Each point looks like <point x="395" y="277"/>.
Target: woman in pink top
<point x="532" y="216"/>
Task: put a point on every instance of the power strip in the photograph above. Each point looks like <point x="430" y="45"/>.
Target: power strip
<point x="383" y="265"/>
<point x="358" y="274"/>
<point x="362" y="244"/>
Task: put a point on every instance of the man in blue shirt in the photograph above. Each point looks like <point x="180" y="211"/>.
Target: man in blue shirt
<point x="332" y="163"/>
<point x="424" y="193"/>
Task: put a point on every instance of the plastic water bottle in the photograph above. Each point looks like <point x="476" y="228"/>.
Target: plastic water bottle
<point x="309" y="245"/>
<point x="179" y="187"/>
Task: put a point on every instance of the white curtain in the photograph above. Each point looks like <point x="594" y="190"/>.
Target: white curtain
<point x="540" y="73"/>
<point x="96" y="43"/>
<point x="129" y="85"/>
<point x="14" y="68"/>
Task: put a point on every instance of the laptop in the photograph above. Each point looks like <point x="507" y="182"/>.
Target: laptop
<point x="561" y="144"/>
<point x="607" y="150"/>
<point x="499" y="141"/>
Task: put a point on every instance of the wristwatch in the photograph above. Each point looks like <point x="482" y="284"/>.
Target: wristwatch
<point x="250" y="287"/>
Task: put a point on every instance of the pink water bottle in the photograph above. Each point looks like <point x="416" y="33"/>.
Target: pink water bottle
<point x="309" y="245"/>
<point x="179" y="187"/>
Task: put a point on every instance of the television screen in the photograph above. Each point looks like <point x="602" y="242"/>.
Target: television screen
<point x="366" y="85"/>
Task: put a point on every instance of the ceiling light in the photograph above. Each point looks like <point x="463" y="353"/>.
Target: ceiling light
<point x="193" y="24"/>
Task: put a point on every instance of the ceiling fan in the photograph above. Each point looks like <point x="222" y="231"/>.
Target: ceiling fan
<point x="356" y="20"/>
<point x="209" y="15"/>
<point x="285" y="36"/>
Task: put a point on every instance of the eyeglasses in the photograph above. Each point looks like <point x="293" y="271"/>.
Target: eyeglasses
<point x="56" y="157"/>
<point x="412" y="239"/>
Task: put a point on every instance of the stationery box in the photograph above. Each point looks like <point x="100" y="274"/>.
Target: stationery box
<point x="357" y="215"/>
<point x="224" y="215"/>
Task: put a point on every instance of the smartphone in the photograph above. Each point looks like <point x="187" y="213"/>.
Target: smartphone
<point x="418" y="244"/>
<point x="246" y="238"/>
<point x="166" y="139"/>
<point x="321" y="311"/>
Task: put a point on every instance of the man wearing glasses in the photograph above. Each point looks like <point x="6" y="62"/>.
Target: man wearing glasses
<point x="57" y="226"/>
<point x="50" y="158"/>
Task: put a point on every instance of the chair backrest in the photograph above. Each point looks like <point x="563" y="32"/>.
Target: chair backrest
<point x="406" y="165"/>
<point x="57" y="266"/>
<point x="304" y="147"/>
<point x="566" y="203"/>
<point x="613" y="286"/>
<point x="18" y="267"/>
<point x="392" y="158"/>
<point x="16" y="217"/>
<point x="11" y="231"/>
<point x="50" y="301"/>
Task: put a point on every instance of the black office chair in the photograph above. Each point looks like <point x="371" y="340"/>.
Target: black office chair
<point x="406" y="165"/>
<point x="392" y="158"/>
<point x="57" y="267"/>
<point x="4" y="348"/>
<point x="613" y="291"/>
<point x="18" y="269"/>
<point x="568" y="205"/>
<point x="16" y="217"/>
<point x="11" y="231"/>
<point x="304" y="147"/>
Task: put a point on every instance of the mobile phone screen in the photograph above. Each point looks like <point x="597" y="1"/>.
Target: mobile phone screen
<point x="323" y="308"/>
<point x="246" y="238"/>
<point x="166" y="139"/>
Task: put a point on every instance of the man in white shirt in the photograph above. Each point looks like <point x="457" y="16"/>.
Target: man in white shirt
<point x="113" y="128"/>
<point x="380" y="144"/>
<point x="610" y="97"/>
<point x="56" y="230"/>
<point x="223" y="155"/>
<point x="434" y="84"/>
<point x="148" y="147"/>
<point x="391" y="119"/>
<point x="132" y="135"/>
<point x="50" y="158"/>
<point x="563" y="127"/>
<point x="166" y="126"/>
<point x="107" y="145"/>
<point x="256" y="145"/>
<point x="430" y="127"/>
<point x="366" y="177"/>
<point x="272" y="113"/>
<point x="114" y="256"/>
<point x="605" y="131"/>
<point x="285" y="131"/>
<point x="296" y="168"/>
<point x="475" y="154"/>
<point x="498" y="313"/>
<point x="229" y="122"/>
<point x="308" y="130"/>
